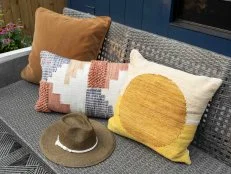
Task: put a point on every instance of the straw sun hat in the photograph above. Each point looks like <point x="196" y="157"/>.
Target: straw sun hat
<point x="76" y="141"/>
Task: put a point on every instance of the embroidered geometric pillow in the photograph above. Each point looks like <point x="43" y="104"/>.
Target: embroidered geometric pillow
<point x="76" y="86"/>
<point x="161" y="107"/>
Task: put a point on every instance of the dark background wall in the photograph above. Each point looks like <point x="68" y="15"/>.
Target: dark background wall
<point x="155" y="16"/>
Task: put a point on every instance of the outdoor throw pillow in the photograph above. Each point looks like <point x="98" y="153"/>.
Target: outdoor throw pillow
<point x="75" y="38"/>
<point x="161" y="107"/>
<point x="69" y="85"/>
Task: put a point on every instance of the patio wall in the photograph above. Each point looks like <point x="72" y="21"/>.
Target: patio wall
<point x="155" y="16"/>
<point x="25" y="10"/>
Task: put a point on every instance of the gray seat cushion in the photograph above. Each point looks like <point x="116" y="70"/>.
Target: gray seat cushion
<point x="18" y="115"/>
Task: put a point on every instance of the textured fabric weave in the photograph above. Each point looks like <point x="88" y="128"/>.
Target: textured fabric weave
<point x="128" y="157"/>
<point x="76" y="86"/>
<point x="213" y="133"/>
<point x="168" y="108"/>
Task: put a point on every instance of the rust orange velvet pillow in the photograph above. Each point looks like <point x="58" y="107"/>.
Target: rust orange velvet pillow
<point x="79" y="39"/>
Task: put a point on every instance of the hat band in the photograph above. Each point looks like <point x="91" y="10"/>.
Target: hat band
<point x="58" y="143"/>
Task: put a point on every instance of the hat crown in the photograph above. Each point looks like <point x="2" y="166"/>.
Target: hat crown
<point x="76" y="132"/>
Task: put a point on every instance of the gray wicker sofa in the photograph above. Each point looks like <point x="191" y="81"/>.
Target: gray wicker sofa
<point x="211" y="149"/>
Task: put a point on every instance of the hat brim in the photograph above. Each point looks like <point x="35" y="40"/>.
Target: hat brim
<point x="104" y="148"/>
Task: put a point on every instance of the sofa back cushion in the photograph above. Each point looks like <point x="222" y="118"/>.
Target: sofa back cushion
<point x="115" y="45"/>
<point x="75" y="38"/>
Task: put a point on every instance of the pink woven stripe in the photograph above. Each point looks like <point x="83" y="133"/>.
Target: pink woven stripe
<point x="42" y="103"/>
<point x="97" y="74"/>
<point x="54" y="102"/>
<point x="101" y="72"/>
<point x="113" y="70"/>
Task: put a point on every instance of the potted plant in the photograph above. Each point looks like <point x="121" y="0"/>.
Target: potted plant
<point x="13" y="41"/>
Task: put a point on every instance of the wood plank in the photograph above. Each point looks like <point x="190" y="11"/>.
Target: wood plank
<point x="49" y="4"/>
<point x="117" y="10"/>
<point x="1" y="12"/>
<point x="25" y="10"/>
<point x="1" y="6"/>
<point x="134" y="13"/>
<point x="7" y="11"/>
<point x="30" y="17"/>
<point x="16" y="16"/>
<point x="24" y="16"/>
<point x="59" y="5"/>
<point x="34" y="5"/>
<point x="41" y="3"/>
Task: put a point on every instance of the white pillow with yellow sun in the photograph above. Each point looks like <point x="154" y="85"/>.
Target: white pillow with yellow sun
<point x="161" y="107"/>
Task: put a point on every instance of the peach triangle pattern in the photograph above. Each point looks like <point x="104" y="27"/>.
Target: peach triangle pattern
<point x="76" y="86"/>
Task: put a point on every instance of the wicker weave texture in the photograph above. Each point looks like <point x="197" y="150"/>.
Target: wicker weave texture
<point x="213" y="135"/>
<point x="115" y="43"/>
<point x="214" y="132"/>
<point x="16" y="105"/>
